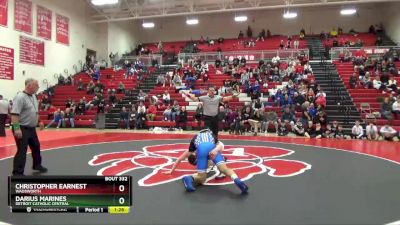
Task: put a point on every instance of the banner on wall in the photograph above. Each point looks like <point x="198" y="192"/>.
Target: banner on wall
<point x="3" y="12"/>
<point x="31" y="51"/>
<point x="23" y="16"/>
<point x="62" y="29"/>
<point x="44" y="18"/>
<point x="6" y="63"/>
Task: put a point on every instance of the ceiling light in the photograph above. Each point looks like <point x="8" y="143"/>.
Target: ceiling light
<point x="148" y="24"/>
<point x="240" y="18"/>
<point x="289" y="15"/>
<point x="192" y="21"/>
<point x="348" y="11"/>
<point x="104" y="2"/>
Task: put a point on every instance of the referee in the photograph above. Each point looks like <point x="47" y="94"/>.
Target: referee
<point x="24" y="119"/>
<point x="211" y="107"/>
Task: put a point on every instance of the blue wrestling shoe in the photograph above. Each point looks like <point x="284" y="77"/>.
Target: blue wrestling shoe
<point x="243" y="187"/>
<point x="188" y="182"/>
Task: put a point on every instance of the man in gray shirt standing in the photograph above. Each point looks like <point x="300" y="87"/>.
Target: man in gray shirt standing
<point x="24" y="119"/>
<point x="3" y="115"/>
<point x="210" y="107"/>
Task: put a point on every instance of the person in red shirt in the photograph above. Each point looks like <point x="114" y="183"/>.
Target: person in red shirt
<point x="151" y="112"/>
<point x="51" y="111"/>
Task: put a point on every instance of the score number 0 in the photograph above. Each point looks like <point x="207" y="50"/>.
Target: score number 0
<point x="121" y="200"/>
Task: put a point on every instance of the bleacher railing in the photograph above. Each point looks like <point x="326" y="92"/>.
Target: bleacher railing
<point x="251" y="56"/>
<point x="373" y="51"/>
<point x="146" y="59"/>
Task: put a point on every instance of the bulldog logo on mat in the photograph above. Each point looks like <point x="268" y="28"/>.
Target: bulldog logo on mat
<point x="247" y="161"/>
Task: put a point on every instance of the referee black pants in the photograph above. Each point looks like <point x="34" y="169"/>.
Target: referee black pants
<point x="3" y="118"/>
<point x="212" y="122"/>
<point x="29" y="138"/>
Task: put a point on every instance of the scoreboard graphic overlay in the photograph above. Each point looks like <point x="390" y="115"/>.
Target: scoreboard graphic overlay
<point x="70" y="194"/>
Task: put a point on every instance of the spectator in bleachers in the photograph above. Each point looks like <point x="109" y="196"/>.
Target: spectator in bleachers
<point x="249" y="32"/>
<point x="312" y="110"/>
<point x="124" y="119"/>
<point x="175" y="110"/>
<point x="70" y="104"/>
<point x="133" y="116"/>
<point x="288" y="117"/>
<point x="282" y="129"/>
<point x="151" y="112"/>
<point x="141" y="115"/>
<point x="353" y="81"/>
<point x="385" y="82"/>
<point x="357" y="132"/>
<point x="269" y="33"/>
<point x="386" y="109"/>
<point x="142" y="96"/>
<point x="321" y="98"/>
<point x="176" y="80"/>
<point x="166" y="97"/>
<point x="81" y="85"/>
<point x="371" y="29"/>
<point x="81" y="107"/>
<point x="237" y="127"/>
<point x="310" y="95"/>
<point x="322" y="118"/>
<point x="251" y="43"/>
<point x="319" y="131"/>
<point x="61" y="80"/>
<point x="296" y="44"/>
<point x="99" y="87"/>
<point x="182" y="118"/>
<point x="392" y="85"/>
<point x="112" y="99"/>
<point x="69" y="116"/>
<point x="302" y="33"/>
<point x="298" y="128"/>
<point x="392" y="67"/>
<point x="243" y="62"/>
<point x="359" y="43"/>
<point x="371" y="132"/>
<point x="378" y="41"/>
<point x="396" y="107"/>
<point x="306" y="116"/>
<point x="168" y="113"/>
<point x="241" y="35"/>
<point x="298" y="100"/>
<point x="270" y="117"/>
<point x="340" y="133"/>
<point x="388" y="133"/>
<point x="256" y="120"/>
<point x="58" y="118"/>
<point x="45" y="102"/>
<point x="329" y="133"/>
<point x="333" y="33"/>
<point x="90" y="88"/>
<point x="97" y="74"/>
<point x="101" y="106"/>
<point x="121" y="87"/>
<point x="161" y="80"/>
<point x="222" y="112"/>
<point x="261" y="35"/>
<point x="281" y="45"/>
<point x="289" y="43"/>
<point x="377" y="84"/>
<point x="366" y="80"/>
